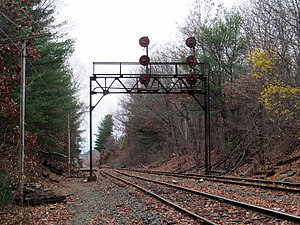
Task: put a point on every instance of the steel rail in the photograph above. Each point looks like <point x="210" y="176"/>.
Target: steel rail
<point x="262" y="186"/>
<point x="229" y="181"/>
<point x="265" y="211"/>
<point x="292" y="184"/>
<point x="194" y="216"/>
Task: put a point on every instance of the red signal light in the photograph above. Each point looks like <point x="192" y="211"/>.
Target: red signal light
<point x="191" y="42"/>
<point x="144" y="41"/>
<point x="191" y="79"/>
<point x="144" y="60"/>
<point x="144" y="79"/>
<point x="191" y="60"/>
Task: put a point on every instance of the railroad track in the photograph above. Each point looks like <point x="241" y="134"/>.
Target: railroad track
<point x="197" y="218"/>
<point x="216" y="210"/>
<point x="259" y="183"/>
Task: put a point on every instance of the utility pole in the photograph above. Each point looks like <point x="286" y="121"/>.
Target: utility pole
<point x="22" y="116"/>
<point x="69" y="145"/>
<point x="22" y="123"/>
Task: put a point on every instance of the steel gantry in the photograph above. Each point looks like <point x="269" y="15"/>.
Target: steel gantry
<point x="145" y="77"/>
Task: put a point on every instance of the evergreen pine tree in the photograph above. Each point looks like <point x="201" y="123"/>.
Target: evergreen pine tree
<point x="104" y="132"/>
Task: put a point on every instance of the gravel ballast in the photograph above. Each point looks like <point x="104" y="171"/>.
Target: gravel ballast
<point x="110" y="202"/>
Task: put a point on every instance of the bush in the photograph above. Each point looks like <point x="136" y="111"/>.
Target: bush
<point x="5" y="192"/>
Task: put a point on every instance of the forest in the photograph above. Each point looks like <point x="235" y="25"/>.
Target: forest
<point x="254" y="54"/>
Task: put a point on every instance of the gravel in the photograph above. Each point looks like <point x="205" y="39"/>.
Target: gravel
<point x="109" y="202"/>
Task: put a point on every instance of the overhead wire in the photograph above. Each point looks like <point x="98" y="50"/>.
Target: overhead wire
<point x="10" y="39"/>
<point x="10" y="20"/>
<point x="31" y="64"/>
<point x="16" y="45"/>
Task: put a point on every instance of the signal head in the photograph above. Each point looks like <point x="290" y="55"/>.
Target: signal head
<point x="191" y="79"/>
<point x="144" y="41"/>
<point x="191" y="60"/>
<point x="144" y="60"/>
<point x="144" y="79"/>
<point x="191" y="42"/>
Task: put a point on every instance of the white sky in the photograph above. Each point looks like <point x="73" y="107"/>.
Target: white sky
<point x="109" y="30"/>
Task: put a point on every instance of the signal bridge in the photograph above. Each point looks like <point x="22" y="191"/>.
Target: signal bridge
<point x="146" y="77"/>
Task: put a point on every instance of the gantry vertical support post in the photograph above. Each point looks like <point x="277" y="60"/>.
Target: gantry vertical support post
<point x="208" y="115"/>
<point x="207" y="126"/>
<point x="91" y="131"/>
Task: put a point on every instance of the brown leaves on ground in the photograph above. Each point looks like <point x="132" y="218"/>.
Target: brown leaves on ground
<point x="41" y="215"/>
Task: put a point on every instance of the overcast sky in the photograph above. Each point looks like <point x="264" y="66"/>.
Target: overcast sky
<point x="109" y="30"/>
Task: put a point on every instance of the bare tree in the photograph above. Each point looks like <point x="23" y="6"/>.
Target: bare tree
<point x="275" y="24"/>
<point x="274" y="29"/>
